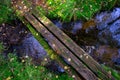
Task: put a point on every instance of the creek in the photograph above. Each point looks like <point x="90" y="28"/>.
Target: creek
<point x="99" y="37"/>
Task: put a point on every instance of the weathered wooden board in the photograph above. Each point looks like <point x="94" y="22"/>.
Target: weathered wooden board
<point x="19" y="8"/>
<point x="71" y="45"/>
<point x="63" y="45"/>
<point x="61" y="49"/>
<point x="70" y="70"/>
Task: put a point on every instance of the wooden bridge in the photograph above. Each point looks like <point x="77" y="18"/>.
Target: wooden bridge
<point x="85" y="66"/>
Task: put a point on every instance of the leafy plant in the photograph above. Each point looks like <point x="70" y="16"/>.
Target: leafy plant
<point x="67" y="10"/>
<point x="12" y="69"/>
<point x="6" y="12"/>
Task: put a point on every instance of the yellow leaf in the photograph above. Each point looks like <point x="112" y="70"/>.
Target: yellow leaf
<point x="9" y="78"/>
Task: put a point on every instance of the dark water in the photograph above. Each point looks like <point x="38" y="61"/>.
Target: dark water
<point x="100" y="37"/>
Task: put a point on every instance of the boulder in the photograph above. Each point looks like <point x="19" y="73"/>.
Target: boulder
<point x="108" y="24"/>
<point x="30" y="47"/>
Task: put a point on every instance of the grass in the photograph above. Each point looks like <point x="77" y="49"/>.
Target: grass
<point x="65" y="10"/>
<point x="11" y="68"/>
<point x="68" y="10"/>
<point x="6" y="13"/>
<point x="113" y="72"/>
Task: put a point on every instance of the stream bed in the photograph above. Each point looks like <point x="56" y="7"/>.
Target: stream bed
<point x="99" y="37"/>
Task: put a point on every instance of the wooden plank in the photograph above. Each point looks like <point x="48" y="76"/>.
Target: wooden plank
<point x="79" y="52"/>
<point x="61" y="49"/>
<point x="73" y="48"/>
<point x="70" y="71"/>
<point x="18" y="6"/>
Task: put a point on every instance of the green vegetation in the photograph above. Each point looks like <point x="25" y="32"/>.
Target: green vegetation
<point x="1" y="47"/>
<point x="12" y="69"/>
<point x="42" y="41"/>
<point x="6" y="12"/>
<point x="113" y="72"/>
<point x="67" y="10"/>
<point x="39" y="37"/>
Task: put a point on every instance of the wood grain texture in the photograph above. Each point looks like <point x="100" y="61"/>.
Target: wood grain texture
<point x="70" y="70"/>
<point x="71" y="45"/>
<point x="84" y="64"/>
<point x="59" y="48"/>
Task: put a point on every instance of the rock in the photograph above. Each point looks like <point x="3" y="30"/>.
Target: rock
<point x="53" y="66"/>
<point x="105" y="18"/>
<point x="13" y="32"/>
<point x="70" y="27"/>
<point x="106" y="55"/>
<point x="17" y="38"/>
<point x="97" y="35"/>
<point x="111" y="35"/>
<point x="89" y="49"/>
<point x="77" y="25"/>
<point x="30" y="47"/>
<point x="117" y="60"/>
<point x="109" y="27"/>
<point x="57" y="23"/>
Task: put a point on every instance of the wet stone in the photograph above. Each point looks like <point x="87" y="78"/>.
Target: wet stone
<point x="20" y="41"/>
<point x="57" y="23"/>
<point x="109" y="28"/>
<point x="111" y="35"/>
<point x="32" y="48"/>
<point x="100" y="39"/>
<point x="105" y="18"/>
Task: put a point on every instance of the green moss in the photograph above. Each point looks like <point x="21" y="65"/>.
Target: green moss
<point x="42" y="42"/>
<point x="36" y="34"/>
